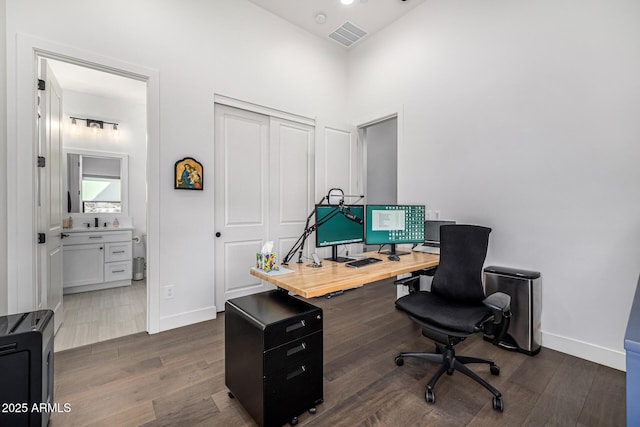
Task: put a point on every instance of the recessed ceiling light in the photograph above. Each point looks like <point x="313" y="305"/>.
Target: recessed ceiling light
<point x="346" y="1"/>
<point x="320" y="18"/>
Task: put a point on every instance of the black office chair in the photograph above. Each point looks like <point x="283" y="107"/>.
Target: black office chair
<point x="456" y="307"/>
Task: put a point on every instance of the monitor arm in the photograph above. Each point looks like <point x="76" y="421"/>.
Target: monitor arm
<point x="308" y="230"/>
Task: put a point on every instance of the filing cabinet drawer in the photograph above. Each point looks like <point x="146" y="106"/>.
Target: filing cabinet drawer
<point x="117" y="252"/>
<point x="292" y="353"/>
<point x="117" y="271"/>
<point x="292" y="329"/>
<point x="301" y="381"/>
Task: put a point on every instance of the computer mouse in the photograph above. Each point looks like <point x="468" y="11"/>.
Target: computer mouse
<point x="394" y="258"/>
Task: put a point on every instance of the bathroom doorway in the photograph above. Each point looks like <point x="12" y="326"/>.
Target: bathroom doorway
<point x="103" y="123"/>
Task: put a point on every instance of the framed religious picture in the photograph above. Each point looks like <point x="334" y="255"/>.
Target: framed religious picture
<point x="188" y="174"/>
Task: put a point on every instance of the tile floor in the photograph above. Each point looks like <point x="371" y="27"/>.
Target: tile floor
<point x="90" y="317"/>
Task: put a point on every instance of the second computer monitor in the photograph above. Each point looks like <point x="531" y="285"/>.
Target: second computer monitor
<point x="394" y="224"/>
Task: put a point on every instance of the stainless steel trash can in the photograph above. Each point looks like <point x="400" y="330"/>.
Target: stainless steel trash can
<point x="524" y="289"/>
<point x="138" y="268"/>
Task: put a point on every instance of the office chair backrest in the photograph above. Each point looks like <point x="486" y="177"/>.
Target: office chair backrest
<point x="463" y="249"/>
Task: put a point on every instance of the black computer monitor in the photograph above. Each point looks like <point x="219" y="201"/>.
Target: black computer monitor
<point x="339" y="225"/>
<point x="394" y="224"/>
<point x="432" y="231"/>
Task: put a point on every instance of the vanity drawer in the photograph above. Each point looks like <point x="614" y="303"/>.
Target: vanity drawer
<point x="117" y="252"/>
<point x="97" y="237"/>
<point x="117" y="271"/>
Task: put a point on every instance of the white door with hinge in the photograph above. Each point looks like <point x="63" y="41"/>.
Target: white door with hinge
<point x="264" y="191"/>
<point x="49" y="203"/>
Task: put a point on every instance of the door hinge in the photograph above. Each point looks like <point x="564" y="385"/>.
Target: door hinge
<point x="41" y="84"/>
<point x="42" y="238"/>
<point x="42" y="162"/>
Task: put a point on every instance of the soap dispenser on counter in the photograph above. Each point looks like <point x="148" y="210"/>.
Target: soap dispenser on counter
<point x="116" y="223"/>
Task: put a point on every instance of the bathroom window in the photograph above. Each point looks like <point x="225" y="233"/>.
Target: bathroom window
<point x="101" y="194"/>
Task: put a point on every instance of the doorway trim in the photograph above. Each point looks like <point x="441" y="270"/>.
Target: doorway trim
<point x="21" y="151"/>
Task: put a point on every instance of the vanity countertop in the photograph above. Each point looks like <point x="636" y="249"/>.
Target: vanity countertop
<point x="95" y="229"/>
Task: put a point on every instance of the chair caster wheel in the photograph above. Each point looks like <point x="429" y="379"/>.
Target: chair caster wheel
<point x="399" y="360"/>
<point x="231" y="396"/>
<point x="498" y="404"/>
<point x="429" y="396"/>
<point x="313" y="410"/>
<point x="294" y="421"/>
<point x="495" y="370"/>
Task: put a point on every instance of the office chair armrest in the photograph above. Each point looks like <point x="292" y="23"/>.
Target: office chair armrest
<point x="408" y="281"/>
<point x="429" y="271"/>
<point x="500" y="305"/>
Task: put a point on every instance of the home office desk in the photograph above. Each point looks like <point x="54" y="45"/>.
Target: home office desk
<point x="274" y="341"/>
<point x="309" y="282"/>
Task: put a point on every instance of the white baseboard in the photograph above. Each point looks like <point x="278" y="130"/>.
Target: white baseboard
<point x="604" y="356"/>
<point x="187" y="318"/>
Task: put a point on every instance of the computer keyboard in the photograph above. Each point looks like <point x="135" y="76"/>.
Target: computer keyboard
<point x="362" y="262"/>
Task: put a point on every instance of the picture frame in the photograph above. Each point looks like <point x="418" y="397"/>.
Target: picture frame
<point x="188" y="174"/>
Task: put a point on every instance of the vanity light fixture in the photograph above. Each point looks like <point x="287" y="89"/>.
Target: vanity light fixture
<point x="94" y="124"/>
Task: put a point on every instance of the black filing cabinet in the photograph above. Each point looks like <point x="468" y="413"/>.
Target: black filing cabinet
<point x="273" y="356"/>
<point x="26" y="368"/>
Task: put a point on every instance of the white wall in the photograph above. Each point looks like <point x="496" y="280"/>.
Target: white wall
<point x="3" y="163"/>
<point x="199" y="48"/>
<point x="526" y="114"/>
<point x="131" y="139"/>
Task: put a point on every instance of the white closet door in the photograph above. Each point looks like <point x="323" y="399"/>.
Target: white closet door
<point x="339" y="165"/>
<point x="291" y="192"/>
<point x="241" y="198"/>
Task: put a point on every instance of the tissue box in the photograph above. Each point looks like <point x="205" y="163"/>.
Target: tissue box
<point x="266" y="262"/>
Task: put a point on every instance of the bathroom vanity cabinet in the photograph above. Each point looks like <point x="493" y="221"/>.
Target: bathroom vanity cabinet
<point x="96" y="259"/>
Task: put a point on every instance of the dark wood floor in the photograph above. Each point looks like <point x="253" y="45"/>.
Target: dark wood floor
<point x="176" y="378"/>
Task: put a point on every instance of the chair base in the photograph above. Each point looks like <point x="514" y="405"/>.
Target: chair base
<point x="446" y="357"/>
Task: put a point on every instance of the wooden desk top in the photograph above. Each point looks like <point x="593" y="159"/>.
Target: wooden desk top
<point x="311" y="282"/>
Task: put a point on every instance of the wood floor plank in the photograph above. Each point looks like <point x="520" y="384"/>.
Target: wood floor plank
<point x="176" y="378"/>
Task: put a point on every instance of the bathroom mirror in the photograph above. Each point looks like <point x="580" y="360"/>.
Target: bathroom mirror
<point x="96" y="183"/>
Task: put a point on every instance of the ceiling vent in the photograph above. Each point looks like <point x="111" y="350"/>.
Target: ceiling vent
<point x="348" y="34"/>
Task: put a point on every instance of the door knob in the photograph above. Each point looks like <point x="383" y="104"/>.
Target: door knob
<point x="218" y="234"/>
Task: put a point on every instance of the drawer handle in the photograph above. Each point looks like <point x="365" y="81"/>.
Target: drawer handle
<point x="8" y="347"/>
<point x="297" y="372"/>
<point x="95" y="237"/>
<point x="295" y="326"/>
<point x="117" y="271"/>
<point x="117" y="252"/>
<point x="296" y="349"/>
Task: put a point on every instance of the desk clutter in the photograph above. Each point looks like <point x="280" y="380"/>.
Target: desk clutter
<point x="266" y="260"/>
